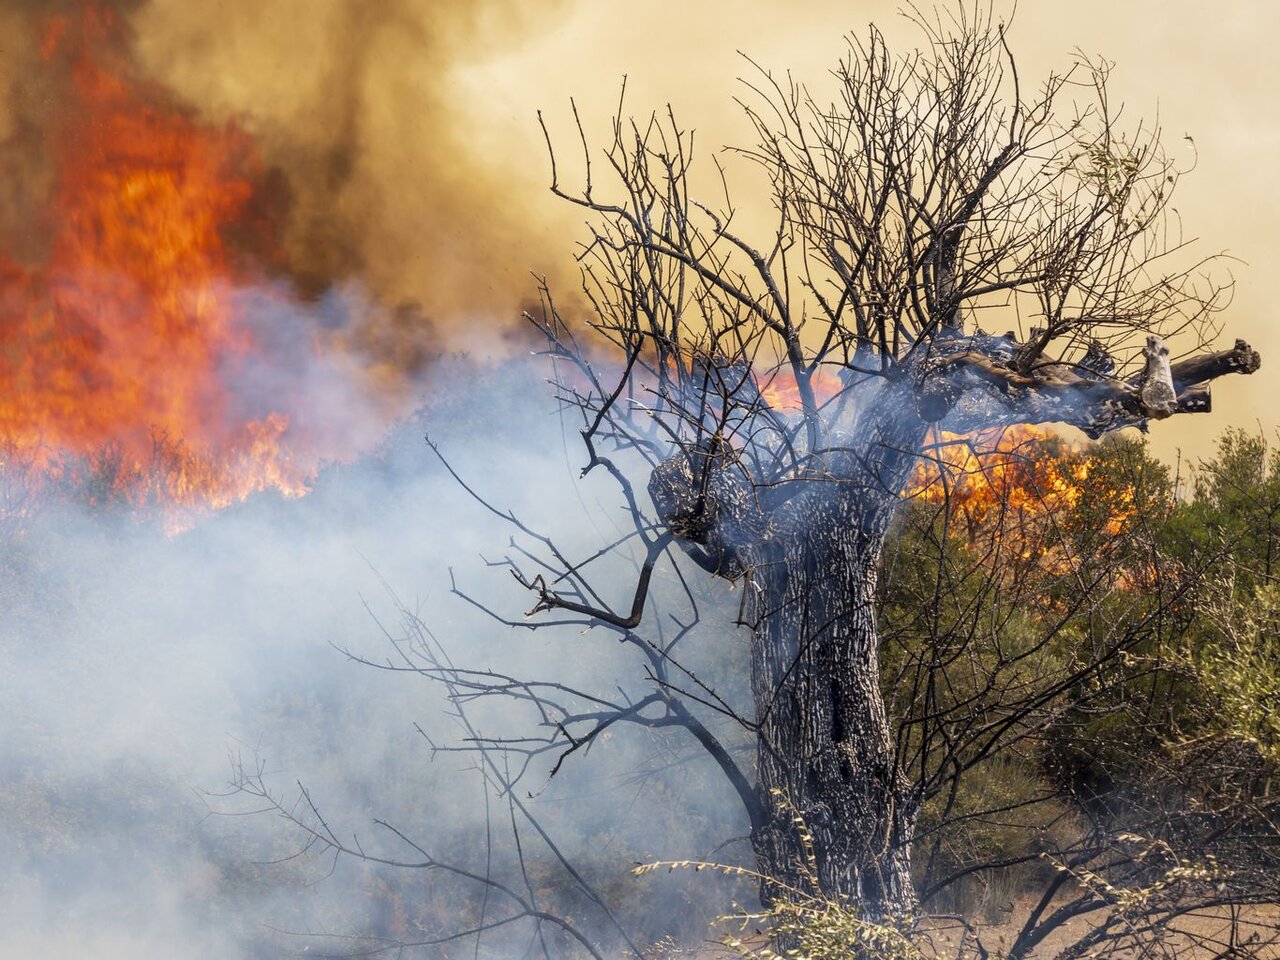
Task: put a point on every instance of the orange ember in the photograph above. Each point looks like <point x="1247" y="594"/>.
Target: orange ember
<point x="118" y="343"/>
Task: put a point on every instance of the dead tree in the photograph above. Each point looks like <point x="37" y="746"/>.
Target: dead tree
<point x="931" y="197"/>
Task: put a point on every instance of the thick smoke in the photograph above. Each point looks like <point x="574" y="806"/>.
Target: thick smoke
<point x="355" y="104"/>
<point x="370" y="173"/>
<point x="218" y="291"/>
<point x="135" y="663"/>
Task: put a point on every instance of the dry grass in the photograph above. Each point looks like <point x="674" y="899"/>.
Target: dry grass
<point x="942" y="938"/>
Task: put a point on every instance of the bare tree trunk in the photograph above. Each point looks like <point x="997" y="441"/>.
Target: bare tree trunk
<point x="825" y="742"/>
<point x="810" y="561"/>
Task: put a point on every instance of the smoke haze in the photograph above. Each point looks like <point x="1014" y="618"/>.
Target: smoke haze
<point x="433" y="111"/>
<point x="405" y="182"/>
<point x="355" y="103"/>
<point x="404" y="140"/>
<point x="136" y="662"/>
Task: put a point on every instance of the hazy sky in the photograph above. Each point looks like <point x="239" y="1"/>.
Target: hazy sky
<point x="437" y="101"/>
<point x="1207" y="69"/>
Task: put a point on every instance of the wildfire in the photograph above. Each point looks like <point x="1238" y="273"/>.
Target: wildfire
<point x="1014" y="477"/>
<point x="779" y="390"/>
<point x="121" y="342"/>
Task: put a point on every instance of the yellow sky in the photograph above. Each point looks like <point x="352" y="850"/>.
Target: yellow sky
<point x="430" y="106"/>
<point x="1207" y="69"/>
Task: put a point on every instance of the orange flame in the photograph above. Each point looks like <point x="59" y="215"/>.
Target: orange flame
<point x="780" y="391"/>
<point x="1015" y="477"/>
<point x="117" y="347"/>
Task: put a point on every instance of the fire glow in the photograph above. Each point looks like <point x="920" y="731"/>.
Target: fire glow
<point x="121" y="339"/>
<point x="1018" y="473"/>
<point x="1011" y="478"/>
<point x="779" y="390"/>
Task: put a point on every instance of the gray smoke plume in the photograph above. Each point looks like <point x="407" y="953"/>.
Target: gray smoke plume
<point x="136" y="664"/>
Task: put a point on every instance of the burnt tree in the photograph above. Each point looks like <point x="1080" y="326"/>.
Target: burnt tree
<point x="776" y="396"/>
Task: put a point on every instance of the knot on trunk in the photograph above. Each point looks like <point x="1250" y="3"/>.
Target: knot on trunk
<point x="704" y="496"/>
<point x="933" y="404"/>
<point x="938" y="385"/>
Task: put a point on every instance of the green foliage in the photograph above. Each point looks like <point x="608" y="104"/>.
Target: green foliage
<point x="1226" y="664"/>
<point x="1124" y="638"/>
<point x="1234" y="513"/>
<point x="1234" y="662"/>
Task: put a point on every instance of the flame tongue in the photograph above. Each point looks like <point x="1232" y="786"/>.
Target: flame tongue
<point x="1010" y="479"/>
<point x="117" y="350"/>
<point x="1007" y="480"/>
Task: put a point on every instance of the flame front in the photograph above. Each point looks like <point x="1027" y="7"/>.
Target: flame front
<point x="1006" y="481"/>
<point x="118" y="343"/>
<point x="1012" y="479"/>
<point x="780" y="391"/>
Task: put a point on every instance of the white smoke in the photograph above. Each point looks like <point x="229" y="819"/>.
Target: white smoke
<point x="136" y="663"/>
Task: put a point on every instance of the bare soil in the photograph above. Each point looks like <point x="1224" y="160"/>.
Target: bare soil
<point x="1257" y="935"/>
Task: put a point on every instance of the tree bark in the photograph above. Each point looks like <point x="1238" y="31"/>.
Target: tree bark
<point x="825" y="746"/>
<point x="825" y="743"/>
